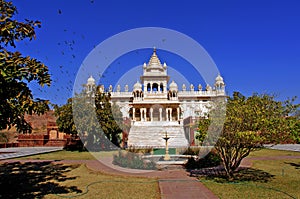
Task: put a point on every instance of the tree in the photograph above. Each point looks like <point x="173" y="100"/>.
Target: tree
<point x="95" y="120"/>
<point x="294" y="123"/>
<point x="249" y="123"/>
<point x="109" y="117"/>
<point x="86" y="125"/>
<point x="64" y="119"/>
<point x="202" y="129"/>
<point x="16" y="71"/>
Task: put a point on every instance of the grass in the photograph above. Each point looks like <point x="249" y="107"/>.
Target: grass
<point x="266" y="179"/>
<point x="272" y="152"/>
<point x="47" y="180"/>
<point x="69" y="155"/>
<point x="98" y="185"/>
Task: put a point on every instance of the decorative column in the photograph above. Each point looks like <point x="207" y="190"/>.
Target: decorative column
<point x="160" y="114"/>
<point x="151" y="87"/>
<point x="142" y="114"/>
<point x="159" y="87"/>
<point x="170" y="114"/>
<point x="133" y="114"/>
<point x="145" y="112"/>
<point x="167" y="115"/>
<point x="145" y="86"/>
<point x="151" y="114"/>
<point x="178" y="113"/>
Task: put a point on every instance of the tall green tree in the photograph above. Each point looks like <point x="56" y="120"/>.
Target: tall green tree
<point x="64" y="119"/>
<point x="95" y="120"/>
<point x="109" y="117"/>
<point x="249" y="123"/>
<point x="16" y="71"/>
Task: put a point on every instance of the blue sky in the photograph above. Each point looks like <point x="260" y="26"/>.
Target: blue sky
<point x="255" y="44"/>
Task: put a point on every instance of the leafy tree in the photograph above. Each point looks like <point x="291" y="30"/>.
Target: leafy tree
<point x="64" y="119"/>
<point x="202" y="129"/>
<point x="294" y="124"/>
<point x="16" y="71"/>
<point x="85" y="125"/>
<point x="96" y="130"/>
<point x="249" y="123"/>
<point x="109" y="117"/>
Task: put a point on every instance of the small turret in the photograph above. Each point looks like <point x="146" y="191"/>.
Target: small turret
<point x="219" y="82"/>
<point x="173" y="86"/>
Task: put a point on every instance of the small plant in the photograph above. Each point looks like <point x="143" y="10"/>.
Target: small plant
<point x="133" y="161"/>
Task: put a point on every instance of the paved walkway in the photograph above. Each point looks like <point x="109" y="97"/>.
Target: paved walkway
<point x="15" y="152"/>
<point x="286" y="147"/>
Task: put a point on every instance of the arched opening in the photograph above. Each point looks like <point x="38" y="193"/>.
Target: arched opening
<point x="148" y="87"/>
<point x="90" y="88"/>
<point x="155" y="87"/>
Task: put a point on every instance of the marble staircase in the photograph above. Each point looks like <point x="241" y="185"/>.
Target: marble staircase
<point x="150" y="134"/>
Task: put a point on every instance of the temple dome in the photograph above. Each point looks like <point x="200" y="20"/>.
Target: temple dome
<point x="91" y="80"/>
<point x="219" y="81"/>
<point x="219" y="78"/>
<point x="173" y="86"/>
<point x="137" y="86"/>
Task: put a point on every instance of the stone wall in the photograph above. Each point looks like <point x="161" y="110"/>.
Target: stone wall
<point x="31" y="140"/>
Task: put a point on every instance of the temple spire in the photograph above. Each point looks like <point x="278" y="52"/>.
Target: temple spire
<point x="154" y="60"/>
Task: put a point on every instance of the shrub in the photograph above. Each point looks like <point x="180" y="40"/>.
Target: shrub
<point x="212" y="159"/>
<point x="192" y="151"/>
<point x="133" y="161"/>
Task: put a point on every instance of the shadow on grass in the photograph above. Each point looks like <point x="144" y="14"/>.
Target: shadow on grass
<point x="296" y="165"/>
<point x="34" y="179"/>
<point x="242" y="175"/>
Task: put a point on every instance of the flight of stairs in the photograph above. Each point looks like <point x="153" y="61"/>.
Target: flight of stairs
<point x="150" y="134"/>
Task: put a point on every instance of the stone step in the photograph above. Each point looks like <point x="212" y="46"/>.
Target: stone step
<point x="145" y="134"/>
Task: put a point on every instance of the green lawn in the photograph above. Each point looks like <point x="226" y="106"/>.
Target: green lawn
<point x="272" y="152"/>
<point x="266" y="179"/>
<point x="48" y="180"/>
<point x="98" y="185"/>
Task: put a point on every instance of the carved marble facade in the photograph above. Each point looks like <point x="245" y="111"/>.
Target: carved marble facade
<point x="155" y="102"/>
